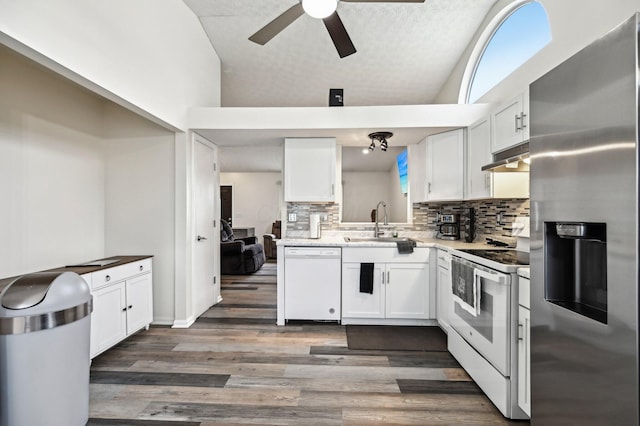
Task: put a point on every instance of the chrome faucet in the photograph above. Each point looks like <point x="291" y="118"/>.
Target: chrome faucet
<point x="376" y="230"/>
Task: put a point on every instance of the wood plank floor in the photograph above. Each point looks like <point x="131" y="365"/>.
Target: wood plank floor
<point x="234" y="366"/>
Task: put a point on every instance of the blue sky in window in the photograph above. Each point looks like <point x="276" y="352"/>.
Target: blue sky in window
<point x="520" y="36"/>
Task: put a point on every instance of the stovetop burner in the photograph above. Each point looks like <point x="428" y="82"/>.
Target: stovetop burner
<point x="506" y="257"/>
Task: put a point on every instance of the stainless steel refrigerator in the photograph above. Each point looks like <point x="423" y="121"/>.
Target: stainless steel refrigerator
<point x="584" y="236"/>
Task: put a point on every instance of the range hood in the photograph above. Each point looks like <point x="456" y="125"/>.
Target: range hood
<point x="515" y="159"/>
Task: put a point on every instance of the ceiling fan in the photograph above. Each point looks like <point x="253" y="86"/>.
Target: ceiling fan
<point x="321" y="9"/>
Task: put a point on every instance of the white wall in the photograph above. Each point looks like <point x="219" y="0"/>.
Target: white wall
<point x="363" y="190"/>
<point x="51" y="170"/>
<point x="139" y="200"/>
<point x="574" y="25"/>
<point x="81" y="178"/>
<point x="256" y="199"/>
<point x="153" y="56"/>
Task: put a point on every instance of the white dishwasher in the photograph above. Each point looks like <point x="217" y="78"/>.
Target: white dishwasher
<point x="312" y="283"/>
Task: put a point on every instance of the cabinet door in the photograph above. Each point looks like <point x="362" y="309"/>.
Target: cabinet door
<point x="478" y="155"/>
<point x="362" y="305"/>
<point x="108" y="319"/>
<point x="309" y="169"/>
<point x="417" y="171"/>
<point x="445" y="166"/>
<point x="139" y="303"/>
<point x="510" y="123"/>
<point x="407" y="290"/>
<point x="524" y="360"/>
<point x="444" y="297"/>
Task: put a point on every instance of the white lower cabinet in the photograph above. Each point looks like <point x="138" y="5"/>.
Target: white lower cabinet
<point x="401" y="288"/>
<point x="444" y="289"/>
<point x="524" y="347"/>
<point x="109" y="319"/>
<point x="122" y="303"/>
<point x="139" y="302"/>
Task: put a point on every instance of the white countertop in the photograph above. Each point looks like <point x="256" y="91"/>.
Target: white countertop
<point x="334" y="240"/>
<point x="524" y="272"/>
<point x="337" y="240"/>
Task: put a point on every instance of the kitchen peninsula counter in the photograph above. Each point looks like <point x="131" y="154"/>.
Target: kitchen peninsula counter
<point x="339" y="241"/>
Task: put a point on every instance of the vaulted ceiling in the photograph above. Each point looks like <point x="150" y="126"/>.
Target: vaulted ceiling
<point x="405" y="53"/>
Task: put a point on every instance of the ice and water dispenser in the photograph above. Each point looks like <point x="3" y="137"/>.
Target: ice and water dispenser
<point x="576" y="267"/>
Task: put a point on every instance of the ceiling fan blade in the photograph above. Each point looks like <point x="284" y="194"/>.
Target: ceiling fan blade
<point x="339" y="35"/>
<point x="274" y="27"/>
<point x="383" y="1"/>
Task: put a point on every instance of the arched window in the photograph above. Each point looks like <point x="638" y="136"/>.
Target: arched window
<point x="517" y="36"/>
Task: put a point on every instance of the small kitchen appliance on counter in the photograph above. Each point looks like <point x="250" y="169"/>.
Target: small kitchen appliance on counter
<point x="469" y="225"/>
<point x="314" y="226"/>
<point x="448" y="226"/>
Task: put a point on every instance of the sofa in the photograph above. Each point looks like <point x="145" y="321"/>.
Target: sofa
<point x="239" y="256"/>
<point x="270" y="240"/>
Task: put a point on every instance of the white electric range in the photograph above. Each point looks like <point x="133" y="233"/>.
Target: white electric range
<point x="483" y="335"/>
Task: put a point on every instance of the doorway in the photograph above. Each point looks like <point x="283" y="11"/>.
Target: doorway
<point x="205" y="289"/>
<point x="226" y="203"/>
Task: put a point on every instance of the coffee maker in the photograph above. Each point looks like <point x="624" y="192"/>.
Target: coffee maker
<point x="448" y="226"/>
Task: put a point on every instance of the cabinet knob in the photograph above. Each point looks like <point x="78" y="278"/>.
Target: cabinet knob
<point x="141" y="268"/>
<point x="107" y="278"/>
<point x="124" y="309"/>
<point x="130" y="306"/>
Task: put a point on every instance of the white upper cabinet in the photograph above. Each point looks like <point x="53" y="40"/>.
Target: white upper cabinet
<point x="510" y="122"/>
<point x="487" y="184"/>
<point x="436" y="167"/>
<point x="309" y="169"/>
<point x="417" y="164"/>
<point x="445" y="166"/>
<point x="478" y="155"/>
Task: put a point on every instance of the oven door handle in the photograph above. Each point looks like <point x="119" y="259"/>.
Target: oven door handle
<point x="491" y="276"/>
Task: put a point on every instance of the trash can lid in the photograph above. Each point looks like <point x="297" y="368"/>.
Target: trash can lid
<point x="28" y="290"/>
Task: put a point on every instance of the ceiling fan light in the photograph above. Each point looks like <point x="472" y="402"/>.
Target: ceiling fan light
<point x="319" y="8"/>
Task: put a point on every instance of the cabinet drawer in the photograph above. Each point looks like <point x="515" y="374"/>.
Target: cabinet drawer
<point x="384" y="254"/>
<point x="118" y="273"/>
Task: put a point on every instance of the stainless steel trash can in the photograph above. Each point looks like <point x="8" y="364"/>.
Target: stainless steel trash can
<point x="44" y="350"/>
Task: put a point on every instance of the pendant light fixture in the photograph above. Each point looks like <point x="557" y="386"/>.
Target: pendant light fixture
<point x="381" y="137"/>
<point x="319" y="9"/>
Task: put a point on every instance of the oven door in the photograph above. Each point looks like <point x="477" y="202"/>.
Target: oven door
<point x="487" y="332"/>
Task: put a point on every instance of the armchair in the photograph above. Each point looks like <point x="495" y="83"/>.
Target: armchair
<point x="270" y="240"/>
<point x="239" y="256"/>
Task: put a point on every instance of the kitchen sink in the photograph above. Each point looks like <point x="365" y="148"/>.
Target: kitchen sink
<point x="377" y="240"/>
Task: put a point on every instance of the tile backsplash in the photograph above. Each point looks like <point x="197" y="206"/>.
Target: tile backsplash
<point x="493" y="217"/>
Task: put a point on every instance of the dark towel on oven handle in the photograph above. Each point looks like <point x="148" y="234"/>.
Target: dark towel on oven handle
<point x="366" y="278"/>
<point x="464" y="287"/>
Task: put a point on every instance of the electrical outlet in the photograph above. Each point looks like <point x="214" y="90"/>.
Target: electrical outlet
<point x="293" y="217"/>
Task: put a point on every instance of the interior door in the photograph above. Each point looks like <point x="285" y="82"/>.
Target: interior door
<point x="204" y="208"/>
<point x="226" y="203"/>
